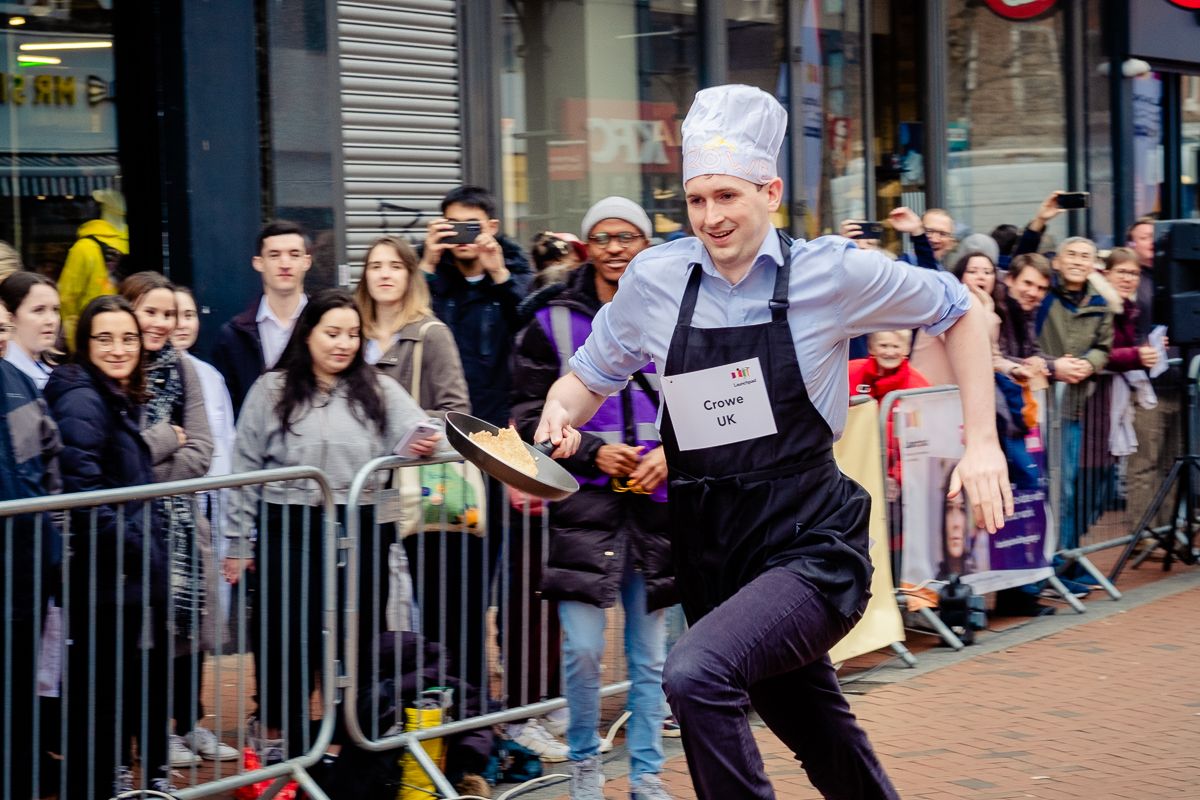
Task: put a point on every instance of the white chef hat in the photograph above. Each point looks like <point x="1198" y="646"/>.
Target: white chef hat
<point x="733" y="130"/>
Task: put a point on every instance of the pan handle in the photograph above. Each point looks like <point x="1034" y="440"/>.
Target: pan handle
<point x="545" y="448"/>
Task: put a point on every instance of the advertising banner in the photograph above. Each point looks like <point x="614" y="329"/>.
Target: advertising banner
<point x="858" y="455"/>
<point x="940" y="537"/>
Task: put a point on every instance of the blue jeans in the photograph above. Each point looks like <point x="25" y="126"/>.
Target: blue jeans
<point x="583" y="649"/>
<point x="1068" y="515"/>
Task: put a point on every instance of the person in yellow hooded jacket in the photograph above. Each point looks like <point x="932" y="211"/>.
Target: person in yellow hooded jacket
<point x="89" y="271"/>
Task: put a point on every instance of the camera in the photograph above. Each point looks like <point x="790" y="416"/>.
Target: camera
<point x="464" y="232"/>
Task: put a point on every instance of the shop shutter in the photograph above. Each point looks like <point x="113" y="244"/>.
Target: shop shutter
<point x="401" y="127"/>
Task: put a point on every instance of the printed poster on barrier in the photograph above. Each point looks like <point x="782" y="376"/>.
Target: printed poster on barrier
<point x="940" y="536"/>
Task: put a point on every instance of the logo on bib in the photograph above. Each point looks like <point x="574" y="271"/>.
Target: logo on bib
<point x="740" y="372"/>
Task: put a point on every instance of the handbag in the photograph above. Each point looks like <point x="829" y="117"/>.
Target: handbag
<point x="439" y="497"/>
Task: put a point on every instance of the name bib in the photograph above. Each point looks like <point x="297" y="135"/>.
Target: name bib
<point x="719" y="405"/>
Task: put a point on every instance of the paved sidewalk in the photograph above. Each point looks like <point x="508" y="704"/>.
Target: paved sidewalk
<point x="1102" y="705"/>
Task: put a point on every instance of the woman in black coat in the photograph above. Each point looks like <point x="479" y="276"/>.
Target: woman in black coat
<point x="116" y="581"/>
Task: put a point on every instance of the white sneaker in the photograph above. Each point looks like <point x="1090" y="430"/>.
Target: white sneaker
<point x="270" y="751"/>
<point x="205" y="744"/>
<point x="533" y="737"/>
<point x="556" y="722"/>
<point x="179" y="754"/>
<point x="122" y="781"/>
<point x="587" y="780"/>
<point x="648" y="787"/>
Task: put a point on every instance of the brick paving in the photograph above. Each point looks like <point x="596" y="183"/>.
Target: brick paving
<point x="1107" y="709"/>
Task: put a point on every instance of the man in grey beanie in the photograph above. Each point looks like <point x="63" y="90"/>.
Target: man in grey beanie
<point x="609" y="540"/>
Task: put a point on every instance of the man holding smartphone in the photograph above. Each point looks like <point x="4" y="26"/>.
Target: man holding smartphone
<point x="476" y="286"/>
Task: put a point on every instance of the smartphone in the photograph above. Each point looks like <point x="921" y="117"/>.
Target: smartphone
<point x="870" y="230"/>
<point x="423" y="430"/>
<point x="1072" y="199"/>
<point x="464" y="232"/>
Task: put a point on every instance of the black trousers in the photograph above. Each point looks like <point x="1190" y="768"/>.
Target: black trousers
<point x="767" y="647"/>
<point x="18" y="668"/>
<point x="286" y="624"/>
<point x="113" y="692"/>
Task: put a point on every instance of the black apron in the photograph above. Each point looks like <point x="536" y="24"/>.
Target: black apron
<point x="740" y="509"/>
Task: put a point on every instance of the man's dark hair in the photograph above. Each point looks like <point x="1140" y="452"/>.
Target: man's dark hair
<point x="1006" y="237"/>
<point x="472" y="197"/>
<point x="1035" y="260"/>
<point x="282" y="227"/>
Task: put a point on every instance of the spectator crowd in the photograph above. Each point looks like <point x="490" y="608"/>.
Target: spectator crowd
<point x="102" y="391"/>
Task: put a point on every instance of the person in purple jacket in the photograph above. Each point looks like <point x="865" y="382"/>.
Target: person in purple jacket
<point x="609" y="540"/>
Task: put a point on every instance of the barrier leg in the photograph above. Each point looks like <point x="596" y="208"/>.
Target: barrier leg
<point x="310" y="787"/>
<point x="430" y="769"/>
<point x="906" y="656"/>
<point x="1071" y="599"/>
<point x="936" y="623"/>
<point x="1101" y="579"/>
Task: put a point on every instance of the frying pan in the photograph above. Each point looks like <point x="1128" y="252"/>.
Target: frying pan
<point x="552" y="481"/>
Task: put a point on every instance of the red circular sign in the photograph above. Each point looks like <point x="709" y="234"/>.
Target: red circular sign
<point x="1194" y="4"/>
<point x="1025" y="9"/>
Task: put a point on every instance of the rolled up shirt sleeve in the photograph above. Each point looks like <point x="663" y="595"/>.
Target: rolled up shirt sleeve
<point x="878" y="293"/>
<point x="615" y="348"/>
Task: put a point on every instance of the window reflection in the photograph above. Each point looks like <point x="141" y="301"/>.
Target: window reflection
<point x="1006" y="112"/>
<point x="58" y="132"/>
<point x="1190" y="144"/>
<point x="593" y="94"/>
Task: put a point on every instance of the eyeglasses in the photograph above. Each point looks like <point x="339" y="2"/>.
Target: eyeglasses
<point x="931" y="232"/>
<point x="1127" y="273"/>
<point x="624" y="238"/>
<point x="7" y="330"/>
<point x="107" y="343"/>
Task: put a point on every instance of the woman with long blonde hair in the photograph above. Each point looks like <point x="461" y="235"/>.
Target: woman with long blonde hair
<point x="398" y="324"/>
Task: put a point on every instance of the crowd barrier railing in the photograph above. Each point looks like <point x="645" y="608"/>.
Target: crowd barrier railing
<point x="477" y="626"/>
<point x="1110" y="489"/>
<point x="139" y="598"/>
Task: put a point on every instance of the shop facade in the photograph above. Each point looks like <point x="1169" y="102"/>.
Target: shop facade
<point x="356" y="116"/>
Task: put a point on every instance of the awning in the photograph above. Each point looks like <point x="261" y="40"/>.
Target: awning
<point x="57" y="175"/>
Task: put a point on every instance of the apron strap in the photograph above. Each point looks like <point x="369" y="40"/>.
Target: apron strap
<point x="688" y="306"/>
<point x="779" y="299"/>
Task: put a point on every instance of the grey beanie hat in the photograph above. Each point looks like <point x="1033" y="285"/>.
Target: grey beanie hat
<point x="980" y="243"/>
<point x="616" y="208"/>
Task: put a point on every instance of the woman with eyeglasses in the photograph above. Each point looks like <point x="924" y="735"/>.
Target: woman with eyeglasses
<point x="118" y="574"/>
<point x="322" y="406"/>
<point x="32" y="300"/>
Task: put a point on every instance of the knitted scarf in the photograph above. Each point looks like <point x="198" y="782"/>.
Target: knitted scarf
<point x="164" y="380"/>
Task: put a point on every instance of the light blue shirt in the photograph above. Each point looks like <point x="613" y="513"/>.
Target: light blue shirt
<point x="836" y="292"/>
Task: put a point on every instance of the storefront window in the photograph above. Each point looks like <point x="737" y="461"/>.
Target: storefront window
<point x="1190" y="144"/>
<point x="593" y="94"/>
<point x="828" y="184"/>
<point x="1006" y="116"/>
<point x="58" y="128"/>
<point x="897" y="44"/>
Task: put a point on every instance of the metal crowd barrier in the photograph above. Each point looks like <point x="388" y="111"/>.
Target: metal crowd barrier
<point x="1103" y="500"/>
<point x="120" y="700"/>
<point x="481" y="647"/>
